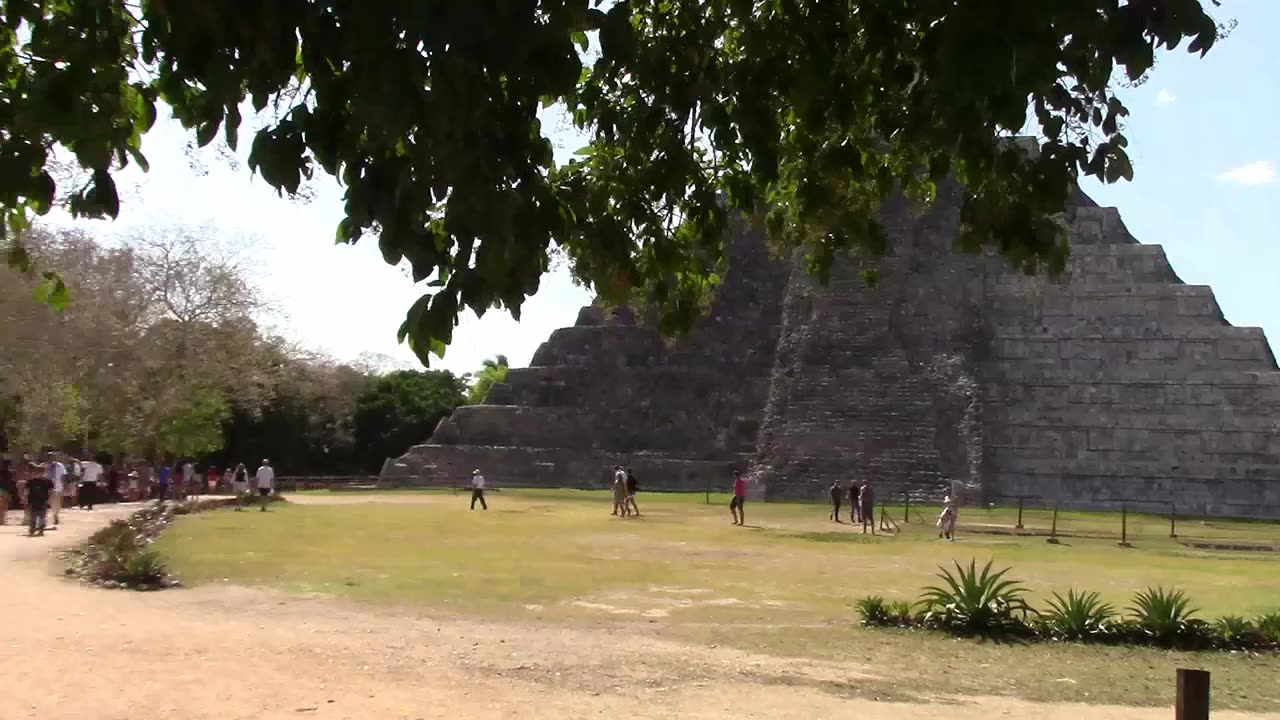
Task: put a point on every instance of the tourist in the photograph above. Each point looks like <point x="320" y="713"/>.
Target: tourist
<point x="736" y="505"/>
<point x="188" y="480"/>
<point x="56" y="473"/>
<point x="266" y="478"/>
<point x="867" y="501"/>
<point x="855" y="507"/>
<point x="163" y="476"/>
<point x="90" y="473"/>
<point x="21" y="476"/>
<point x="136" y="493"/>
<point x="836" y="493"/>
<point x="240" y="486"/>
<point x="8" y="492"/>
<point x="71" y="484"/>
<point x="211" y="479"/>
<point x="227" y="475"/>
<point x="39" y="492"/>
<point x="619" y="492"/>
<point x="947" y="519"/>
<point x="632" y="487"/>
<point x="477" y="490"/>
<point x="113" y="482"/>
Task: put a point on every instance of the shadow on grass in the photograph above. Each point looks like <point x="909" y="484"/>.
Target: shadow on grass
<point x="829" y="537"/>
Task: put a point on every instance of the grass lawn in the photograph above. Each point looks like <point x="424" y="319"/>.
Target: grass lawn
<point x="783" y="585"/>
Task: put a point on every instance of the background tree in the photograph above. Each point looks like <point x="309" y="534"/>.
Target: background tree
<point x="400" y="410"/>
<point x="428" y="113"/>
<point x="494" y="370"/>
<point x="163" y="342"/>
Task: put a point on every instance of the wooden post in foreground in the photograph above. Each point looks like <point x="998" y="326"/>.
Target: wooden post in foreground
<point x="1193" y="695"/>
<point x="1053" y="531"/>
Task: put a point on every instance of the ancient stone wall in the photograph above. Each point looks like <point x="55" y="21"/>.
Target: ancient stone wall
<point x="1116" y="383"/>
<point x="876" y="381"/>
<point x="610" y="390"/>
<point x="1122" y="384"/>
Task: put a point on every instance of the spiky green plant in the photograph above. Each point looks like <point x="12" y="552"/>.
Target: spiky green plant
<point x="1233" y="631"/>
<point x="874" y="610"/>
<point x="1268" y="625"/>
<point x="1166" y="617"/>
<point x="973" y="602"/>
<point x="902" y="613"/>
<point x="1077" y="616"/>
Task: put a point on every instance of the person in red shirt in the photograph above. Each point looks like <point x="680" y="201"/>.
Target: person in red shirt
<point x="739" y="498"/>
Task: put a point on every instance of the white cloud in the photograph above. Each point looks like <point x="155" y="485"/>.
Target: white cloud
<point x="1164" y="97"/>
<point x="1258" y="172"/>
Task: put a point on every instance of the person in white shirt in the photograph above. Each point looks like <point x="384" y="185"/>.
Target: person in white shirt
<point x="265" y="480"/>
<point x="90" y="474"/>
<point x="477" y="490"/>
<point x="188" y="477"/>
<point x="57" y="474"/>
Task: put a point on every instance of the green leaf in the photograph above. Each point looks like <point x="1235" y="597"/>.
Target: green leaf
<point x="60" y="297"/>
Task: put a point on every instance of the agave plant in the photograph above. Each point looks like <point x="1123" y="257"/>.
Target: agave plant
<point x="874" y="610"/>
<point x="902" y="613"/>
<point x="1233" y="631"/>
<point x="1268" y="625"/>
<point x="1078" y="616"/>
<point x="973" y="602"/>
<point x="1166" y="617"/>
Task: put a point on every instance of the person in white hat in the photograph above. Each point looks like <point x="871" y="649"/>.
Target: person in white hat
<point x="477" y="490"/>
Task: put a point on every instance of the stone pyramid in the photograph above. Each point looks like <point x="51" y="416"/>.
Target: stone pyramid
<point x="1116" y="383"/>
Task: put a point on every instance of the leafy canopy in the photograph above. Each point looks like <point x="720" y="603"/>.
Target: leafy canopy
<point x="428" y="112"/>
<point x="492" y="372"/>
<point x="400" y="408"/>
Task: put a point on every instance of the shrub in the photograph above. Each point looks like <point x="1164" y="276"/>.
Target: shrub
<point x="143" y="568"/>
<point x="1078" y="616"/>
<point x="902" y="613"/>
<point x="874" y="610"/>
<point x="1166" y="618"/>
<point x="973" y="602"/>
<point x="1233" y="631"/>
<point x="1268" y="625"/>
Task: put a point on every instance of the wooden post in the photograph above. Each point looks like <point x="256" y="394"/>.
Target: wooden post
<point x="1019" y="525"/>
<point x="1193" y="695"/>
<point x="1053" y="530"/>
<point x="906" y="506"/>
<point x="1173" y="520"/>
<point x="1124" y="525"/>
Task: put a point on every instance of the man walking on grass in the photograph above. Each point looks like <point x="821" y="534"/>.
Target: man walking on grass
<point x="619" y="491"/>
<point x="837" y="494"/>
<point x="739" y="500"/>
<point x="632" y="487"/>
<point x="477" y="490"/>
<point x="266" y="478"/>
<point x="867" y="501"/>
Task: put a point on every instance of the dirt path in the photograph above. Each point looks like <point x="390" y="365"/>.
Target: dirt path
<point x="70" y="651"/>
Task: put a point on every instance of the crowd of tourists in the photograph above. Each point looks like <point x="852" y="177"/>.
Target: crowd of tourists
<point x="60" y="481"/>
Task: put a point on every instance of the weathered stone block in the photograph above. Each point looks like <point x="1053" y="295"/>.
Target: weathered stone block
<point x="1115" y="384"/>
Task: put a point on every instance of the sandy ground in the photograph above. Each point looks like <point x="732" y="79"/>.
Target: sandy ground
<point x="226" y="652"/>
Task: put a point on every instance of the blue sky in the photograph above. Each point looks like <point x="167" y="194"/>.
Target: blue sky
<point x="1205" y="188"/>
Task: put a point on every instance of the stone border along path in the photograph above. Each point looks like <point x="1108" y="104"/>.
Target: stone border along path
<point x="228" y="653"/>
